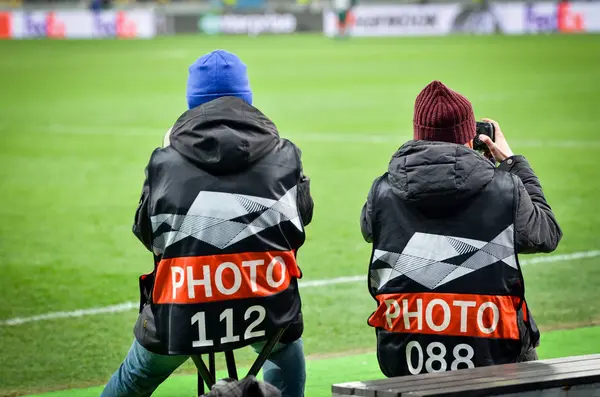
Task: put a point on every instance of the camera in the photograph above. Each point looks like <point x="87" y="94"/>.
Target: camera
<point x="483" y="128"/>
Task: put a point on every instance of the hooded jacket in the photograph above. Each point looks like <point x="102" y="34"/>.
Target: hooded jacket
<point x="223" y="207"/>
<point x="223" y="137"/>
<point x="446" y="227"/>
<point x="439" y="178"/>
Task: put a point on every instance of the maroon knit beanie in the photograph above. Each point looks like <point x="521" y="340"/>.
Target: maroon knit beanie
<point x="443" y="115"/>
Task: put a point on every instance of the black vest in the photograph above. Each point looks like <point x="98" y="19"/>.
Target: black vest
<point x="450" y="291"/>
<point x="225" y="253"/>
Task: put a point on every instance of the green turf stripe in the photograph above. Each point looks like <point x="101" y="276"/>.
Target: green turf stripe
<point x="323" y="373"/>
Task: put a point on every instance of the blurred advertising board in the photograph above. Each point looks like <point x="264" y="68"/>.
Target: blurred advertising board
<point x="536" y="18"/>
<point x="479" y="18"/>
<point x="248" y="23"/>
<point x="78" y="24"/>
<point x="396" y="20"/>
<point x="562" y="17"/>
<point x="580" y="17"/>
<point x="5" y="25"/>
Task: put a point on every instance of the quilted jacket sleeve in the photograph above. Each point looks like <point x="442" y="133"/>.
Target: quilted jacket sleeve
<point x="142" y="227"/>
<point x="304" y="201"/>
<point x="535" y="225"/>
<point x="366" y="215"/>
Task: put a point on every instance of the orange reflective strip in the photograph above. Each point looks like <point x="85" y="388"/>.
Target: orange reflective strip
<point x="197" y="279"/>
<point x="482" y="316"/>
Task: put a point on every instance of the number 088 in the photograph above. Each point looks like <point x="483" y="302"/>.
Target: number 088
<point x="436" y="353"/>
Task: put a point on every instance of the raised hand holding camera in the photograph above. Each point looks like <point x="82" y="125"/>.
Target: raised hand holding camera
<point x="483" y="128"/>
<point x="498" y="147"/>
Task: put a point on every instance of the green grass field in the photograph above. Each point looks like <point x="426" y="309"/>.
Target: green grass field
<point x="78" y="121"/>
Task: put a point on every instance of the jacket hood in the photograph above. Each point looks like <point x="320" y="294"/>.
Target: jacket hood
<point x="434" y="175"/>
<point x="224" y="136"/>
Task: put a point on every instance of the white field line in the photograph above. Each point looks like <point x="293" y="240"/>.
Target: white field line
<point x="381" y="137"/>
<point x="121" y="307"/>
<point x="127" y="306"/>
<point x="560" y="258"/>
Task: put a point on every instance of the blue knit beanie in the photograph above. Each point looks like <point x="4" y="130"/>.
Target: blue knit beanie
<point x="215" y="75"/>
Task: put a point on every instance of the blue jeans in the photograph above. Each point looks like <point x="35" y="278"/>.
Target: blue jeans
<point x="143" y="371"/>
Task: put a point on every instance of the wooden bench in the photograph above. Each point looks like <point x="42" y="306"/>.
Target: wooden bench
<point x="571" y="376"/>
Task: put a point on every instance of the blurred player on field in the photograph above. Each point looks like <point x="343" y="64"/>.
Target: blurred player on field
<point x="345" y="17"/>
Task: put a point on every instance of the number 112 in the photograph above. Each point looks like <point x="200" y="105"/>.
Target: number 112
<point x="227" y="316"/>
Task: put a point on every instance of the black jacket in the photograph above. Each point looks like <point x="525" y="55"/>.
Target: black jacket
<point x="435" y="197"/>
<point x="228" y="149"/>
<point x="438" y="186"/>
<point x="228" y="138"/>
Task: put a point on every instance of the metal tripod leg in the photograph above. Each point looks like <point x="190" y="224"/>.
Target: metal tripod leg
<point x="207" y="375"/>
<point x="204" y="375"/>
<point x="265" y="352"/>
<point x="212" y="366"/>
<point x="231" y="368"/>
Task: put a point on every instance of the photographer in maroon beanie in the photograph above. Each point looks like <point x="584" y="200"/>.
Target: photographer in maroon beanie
<point x="447" y="226"/>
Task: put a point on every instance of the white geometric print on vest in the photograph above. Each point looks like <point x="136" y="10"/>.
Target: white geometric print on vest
<point x="209" y="218"/>
<point x="426" y="257"/>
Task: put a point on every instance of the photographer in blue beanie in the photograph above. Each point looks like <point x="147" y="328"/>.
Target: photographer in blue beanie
<point x="226" y="200"/>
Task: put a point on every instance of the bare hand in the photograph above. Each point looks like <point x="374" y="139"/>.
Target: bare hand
<point x="499" y="149"/>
